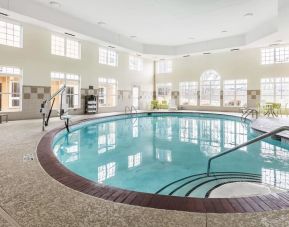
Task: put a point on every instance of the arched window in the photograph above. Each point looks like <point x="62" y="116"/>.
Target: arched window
<point x="210" y="87"/>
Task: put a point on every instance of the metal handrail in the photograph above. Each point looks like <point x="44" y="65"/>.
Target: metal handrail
<point x="271" y="133"/>
<point x="133" y="108"/>
<point x="127" y="108"/>
<point x="247" y="112"/>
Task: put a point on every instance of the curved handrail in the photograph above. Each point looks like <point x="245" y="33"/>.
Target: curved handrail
<point x="133" y="108"/>
<point x="271" y="133"/>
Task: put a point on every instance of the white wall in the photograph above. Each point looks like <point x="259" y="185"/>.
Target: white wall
<point x="240" y="64"/>
<point x="37" y="62"/>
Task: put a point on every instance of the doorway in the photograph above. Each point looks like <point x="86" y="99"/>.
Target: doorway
<point x="135" y="96"/>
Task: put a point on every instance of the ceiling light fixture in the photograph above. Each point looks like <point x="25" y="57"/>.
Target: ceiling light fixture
<point x="101" y="23"/>
<point x="111" y="47"/>
<point x="186" y="56"/>
<point x="55" y="4"/>
<point x="206" y="53"/>
<point x="66" y="33"/>
<point x="224" y="31"/>
<point x="248" y="14"/>
<point x="235" y="49"/>
<point x="4" y="14"/>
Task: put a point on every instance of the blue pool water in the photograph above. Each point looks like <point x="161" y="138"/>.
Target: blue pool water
<point x="168" y="153"/>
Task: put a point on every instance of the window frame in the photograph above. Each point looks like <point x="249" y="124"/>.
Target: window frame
<point x="63" y="81"/>
<point x="275" y="55"/>
<point x="135" y="63"/>
<point x="7" y="72"/>
<point x="273" y="82"/>
<point x="13" y="23"/>
<point x="167" y="93"/>
<point x="235" y="84"/>
<point x="187" y="87"/>
<point x="210" y="84"/>
<point x="103" y="83"/>
<point x="164" y="66"/>
<point x="105" y="56"/>
<point x="66" y="53"/>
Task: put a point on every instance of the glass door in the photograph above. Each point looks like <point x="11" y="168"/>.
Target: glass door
<point x="135" y="97"/>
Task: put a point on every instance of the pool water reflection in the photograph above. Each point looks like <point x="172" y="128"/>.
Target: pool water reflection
<point x="148" y="152"/>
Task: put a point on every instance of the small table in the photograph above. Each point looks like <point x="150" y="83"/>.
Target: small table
<point x="269" y="107"/>
<point x="3" y="115"/>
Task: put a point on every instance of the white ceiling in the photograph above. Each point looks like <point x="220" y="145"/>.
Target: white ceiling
<point x="172" y="22"/>
<point x="161" y="27"/>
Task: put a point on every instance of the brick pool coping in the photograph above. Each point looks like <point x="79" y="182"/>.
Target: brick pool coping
<point x="47" y="159"/>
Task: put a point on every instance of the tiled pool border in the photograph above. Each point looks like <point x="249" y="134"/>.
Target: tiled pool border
<point x="273" y="201"/>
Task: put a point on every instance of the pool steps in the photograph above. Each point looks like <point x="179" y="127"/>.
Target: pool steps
<point x="200" y="185"/>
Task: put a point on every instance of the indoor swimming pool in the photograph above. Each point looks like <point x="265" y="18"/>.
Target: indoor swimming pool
<point x="167" y="153"/>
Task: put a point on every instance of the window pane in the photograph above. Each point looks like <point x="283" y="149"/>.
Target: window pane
<point x="10" y="34"/>
<point x="188" y="93"/>
<point x="164" y="66"/>
<point x="107" y="92"/>
<point x="57" y="45"/>
<point x="72" y="49"/>
<point x="235" y="93"/>
<point x="210" y="89"/>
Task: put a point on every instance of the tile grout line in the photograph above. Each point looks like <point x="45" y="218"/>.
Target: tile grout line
<point x="8" y="218"/>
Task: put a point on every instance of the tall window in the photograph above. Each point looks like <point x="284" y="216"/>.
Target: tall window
<point x="275" y="55"/>
<point x="10" y="89"/>
<point x="164" y="92"/>
<point x="10" y="34"/>
<point x="210" y="88"/>
<point x="108" y="56"/>
<point x="107" y="91"/>
<point x="164" y="66"/>
<point x="63" y="46"/>
<point x="72" y="83"/>
<point x="275" y="90"/>
<point x="235" y="93"/>
<point x="189" y="93"/>
<point x="135" y="63"/>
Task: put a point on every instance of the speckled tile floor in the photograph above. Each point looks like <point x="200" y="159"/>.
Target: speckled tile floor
<point x="30" y="197"/>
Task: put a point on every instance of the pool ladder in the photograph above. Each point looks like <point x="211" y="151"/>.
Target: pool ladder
<point x="268" y="134"/>
<point x="130" y="109"/>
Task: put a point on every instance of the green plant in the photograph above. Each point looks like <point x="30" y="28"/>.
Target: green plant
<point x="154" y="104"/>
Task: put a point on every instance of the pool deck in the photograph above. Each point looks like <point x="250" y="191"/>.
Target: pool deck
<point x="30" y="197"/>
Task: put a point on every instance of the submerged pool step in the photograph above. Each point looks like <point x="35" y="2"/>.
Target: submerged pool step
<point x="200" y="185"/>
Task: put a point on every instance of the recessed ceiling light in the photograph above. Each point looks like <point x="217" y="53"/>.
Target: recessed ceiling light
<point x="206" y="53"/>
<point x="186" y="56"/>
<point x="132" y="36"/>
<point x="139" y="55"/>
<point x="111" y="47"/>
<point x="235" y="49"/>
<point x="55" y="4"/>
<point x="101" y="23"/>
<point x="248" y="14"/>
<point x="224" y="31"/>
